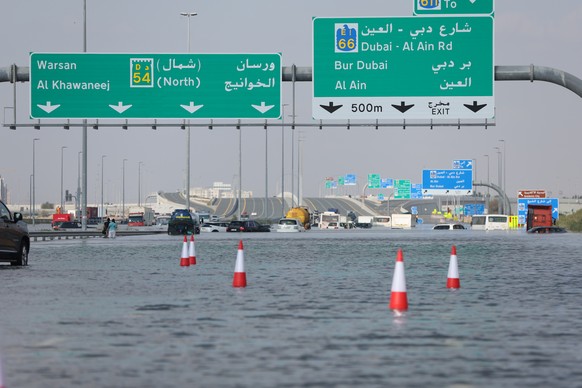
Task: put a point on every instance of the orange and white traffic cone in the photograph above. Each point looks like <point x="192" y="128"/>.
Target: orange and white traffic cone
<point x="192" y="251"/>
<point x="185" y="260"/>
<point x="1" y="375"/>
<point x="398" y="298"/>
<point x="240" y="276"/>
<point x="453" y="280"/>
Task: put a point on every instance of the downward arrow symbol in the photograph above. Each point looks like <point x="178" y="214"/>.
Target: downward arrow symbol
<point x="120" y="108"/>
<point x="331" y="107"/>
<point x="402" y="107"/>
<point x="262" y="108"/>
<point x="475" y="108"/>
<point x="191" y="108"/>
<point x="48" y="108"/>
<point x="473" y="1"/>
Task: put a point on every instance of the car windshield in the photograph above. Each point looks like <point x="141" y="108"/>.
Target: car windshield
<point x="287" y="222"/>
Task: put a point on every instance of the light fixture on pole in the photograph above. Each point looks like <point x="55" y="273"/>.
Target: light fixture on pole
<point x="189" y="16"/>
<point x="62" y="169"/>
<point x="102" y="201"/>
<point x="33" y="180"/>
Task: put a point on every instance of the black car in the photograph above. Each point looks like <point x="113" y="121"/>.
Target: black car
<point x="182" y="223"/>
<point x="247" y="226"/>
<point x="547" y="229"/>
<point x="14" y="239"/>
<point x="67" y="225"/>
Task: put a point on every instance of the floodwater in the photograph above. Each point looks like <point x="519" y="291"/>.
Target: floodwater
<point x="123" y="313"/>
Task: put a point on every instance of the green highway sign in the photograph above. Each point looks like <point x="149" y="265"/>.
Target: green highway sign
<point x="374" y="181"/>
<point x="403" y="68"/>
<point x="173" y="86"/>
<point x="454" y="7"/>
<point x="402" y="189"/>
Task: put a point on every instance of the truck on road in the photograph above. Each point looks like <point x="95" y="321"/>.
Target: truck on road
<point x="141" y="216"/>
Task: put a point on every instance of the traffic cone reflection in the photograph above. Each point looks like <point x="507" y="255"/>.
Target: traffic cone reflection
<point x="240" y="276"/>
<point x="184" y="259"/>
<point x="398" y="298"/>
<point x="453" y="280"/>
<point x="192" y="251"/>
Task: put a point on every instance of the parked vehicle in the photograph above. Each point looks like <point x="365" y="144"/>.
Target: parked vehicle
<point x="302" y="214"/>
<point x="547" y="229"/>
<point x="403" y="221"/>
<point x="449" y="227"/>
<point x="182" y="223"/>
<point x="14" y="238"/>
<point x="490" y="222"/>
<point x="59" y="218"/>
<point x="290" y="225"/>
<point x="539" y="215"/>
<point x="141" y="216"/>
<point x="329" y="220"/>
<point x="214" y="227"/>
<point x="67" y="225"/>
<point x="247" y="226"/>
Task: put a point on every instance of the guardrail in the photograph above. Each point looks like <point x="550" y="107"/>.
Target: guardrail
<point x="67" y="235"/>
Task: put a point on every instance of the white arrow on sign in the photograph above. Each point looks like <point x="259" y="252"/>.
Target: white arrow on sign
<point x="120" y="108"/>
<point x="191" y="108"/>
<point x="263" y="108"/>
<point x="48" y="108"/>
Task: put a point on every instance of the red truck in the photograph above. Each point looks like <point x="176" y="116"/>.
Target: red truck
<point x="59" y="218"/>
<point x="538" y="215"/>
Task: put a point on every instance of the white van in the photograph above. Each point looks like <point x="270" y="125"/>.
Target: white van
<point x="490" y="222"/>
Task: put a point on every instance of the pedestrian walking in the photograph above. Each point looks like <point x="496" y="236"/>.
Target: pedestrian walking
<point x="105" y="227"/>
<point x="112" y="228"/>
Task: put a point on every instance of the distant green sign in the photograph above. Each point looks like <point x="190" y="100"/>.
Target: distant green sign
<point x="374" y="181"/>
<point x="402" y="189"/>
<point x="454" y="7"/>
<point x="179" y="86"/>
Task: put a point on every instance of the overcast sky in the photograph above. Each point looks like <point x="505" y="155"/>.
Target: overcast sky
<point x="539" y="122"/>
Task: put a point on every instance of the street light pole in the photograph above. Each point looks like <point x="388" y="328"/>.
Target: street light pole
<point x="504" y="165"/>
<point x="139" y="184"/>
<point x="102" y="201"/>
<point x="499" y="177"/>
<point x="33" y="180"/>
<point x="78" y="200"/>
<point x="62" y="169"/>
<point x="283" y="160"/>
<point x="123" y="191"/>
<point x="487" y="156"/>
<point x="189" y="16"/>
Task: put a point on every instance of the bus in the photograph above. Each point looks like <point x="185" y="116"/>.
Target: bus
<point x="384" y="221"/>
<point x="490" y="222"/>
<point x="329" y="220"/>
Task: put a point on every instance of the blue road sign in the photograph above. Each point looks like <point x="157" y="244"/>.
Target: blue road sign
<point x="387" y="183"/>
<point x="463" y="164"/>
<point x="416" y="191"/>
<point x="350" y="180"/>
<point x="474" y="209"/>
<point x="447" y="182"/>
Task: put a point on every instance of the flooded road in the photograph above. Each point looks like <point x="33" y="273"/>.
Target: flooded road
<point x="123" y="313"/>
